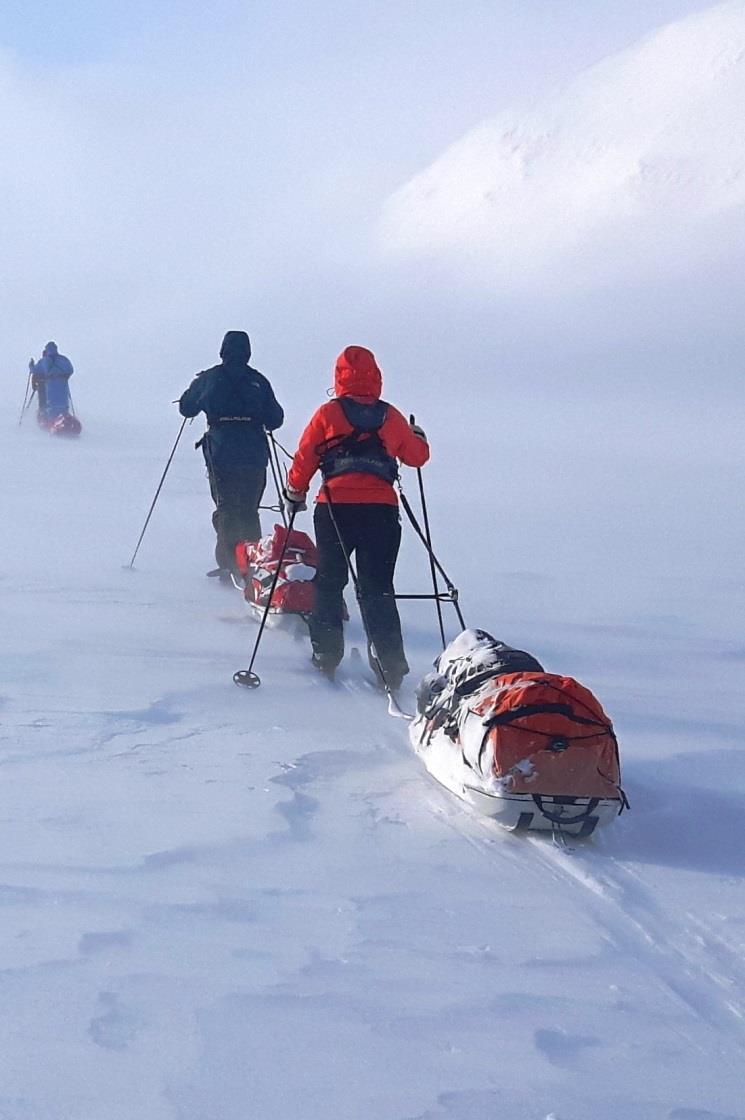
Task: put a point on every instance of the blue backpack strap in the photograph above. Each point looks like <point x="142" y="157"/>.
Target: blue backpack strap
<point x="364" y="417"/>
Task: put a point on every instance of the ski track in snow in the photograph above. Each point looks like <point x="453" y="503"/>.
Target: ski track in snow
<point x="221" y="904"/>
<point x="694" y="963"/>
<point x="681" y="951"/>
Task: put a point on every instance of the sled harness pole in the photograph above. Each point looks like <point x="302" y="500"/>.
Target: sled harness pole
<point x="451" y="593"/>
<point x="428" y="538"/>
<point x="277" y="476"/>
<point x="157" y="492"/>
<point x="26" y="400"/>
<point x="393" y="705"/>
<point x="277" y="444"/>
<point x="247" y="677"/>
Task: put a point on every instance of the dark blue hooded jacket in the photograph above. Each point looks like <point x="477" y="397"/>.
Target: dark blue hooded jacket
<point x="239" y="405"/>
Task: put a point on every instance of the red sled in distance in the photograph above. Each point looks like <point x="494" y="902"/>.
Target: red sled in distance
<point x="64" y="424"/>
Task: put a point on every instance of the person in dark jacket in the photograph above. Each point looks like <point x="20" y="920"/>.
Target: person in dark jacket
<point x="356" y="441"/>
<point x="241" y="408"/>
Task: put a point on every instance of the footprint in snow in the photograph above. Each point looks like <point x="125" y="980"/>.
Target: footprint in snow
<point x="298" y="813"/>
<point x="561" y="1048"/>
<point x="101" y="942"/>
<point x="117" y="1027"/>
<point x="157" y="713"/>
<point x="700" y="1114"/>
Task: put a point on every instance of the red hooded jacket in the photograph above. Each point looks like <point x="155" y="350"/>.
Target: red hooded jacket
<point x="357" y="376"/>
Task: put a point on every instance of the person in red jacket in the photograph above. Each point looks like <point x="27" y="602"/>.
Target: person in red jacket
<point x="356" y="441"/>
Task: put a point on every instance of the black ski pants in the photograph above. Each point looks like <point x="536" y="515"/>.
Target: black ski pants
<point x="371" y="533"/>
<point x="236" y="493"/>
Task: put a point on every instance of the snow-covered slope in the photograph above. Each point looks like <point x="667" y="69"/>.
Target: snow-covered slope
<point x="636" y="161"/>
<point x="221" y="905"/>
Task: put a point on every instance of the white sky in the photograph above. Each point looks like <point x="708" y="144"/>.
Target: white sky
<point x="174" y="172"/>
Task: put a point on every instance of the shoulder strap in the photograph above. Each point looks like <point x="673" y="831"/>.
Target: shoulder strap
<point x="364" y="417"/>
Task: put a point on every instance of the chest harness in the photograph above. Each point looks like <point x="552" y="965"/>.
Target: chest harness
<point x="361" y="451"/>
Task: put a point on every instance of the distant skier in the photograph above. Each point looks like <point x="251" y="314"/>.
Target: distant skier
<point x="355" y="440"/>
<point x="240" y="407"/>
<point x="49" y="377"/>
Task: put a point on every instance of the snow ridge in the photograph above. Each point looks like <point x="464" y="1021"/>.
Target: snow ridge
<point x="655" y="133"/>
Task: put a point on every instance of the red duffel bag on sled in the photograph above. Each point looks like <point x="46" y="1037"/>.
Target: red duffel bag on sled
<point x="258" y="561"/>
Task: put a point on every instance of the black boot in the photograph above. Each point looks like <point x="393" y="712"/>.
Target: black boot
<point x="324" y="666"/>
<point x="387" y="676"/>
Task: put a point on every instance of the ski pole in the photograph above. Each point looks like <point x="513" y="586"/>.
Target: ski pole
<point x="246" y="677"/>
<point x="157" y="492"/>
<point x="277" y="476"/>
<point x="428" y="537"/>
<point x="284" y="450"/>
<point x="393" y="705"/>
<point x="26" y="399"/>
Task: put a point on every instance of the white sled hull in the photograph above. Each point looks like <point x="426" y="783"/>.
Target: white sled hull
<point x="573" y="816"/>
<point x="277" y="618"/>
<point x="576" y="816"/>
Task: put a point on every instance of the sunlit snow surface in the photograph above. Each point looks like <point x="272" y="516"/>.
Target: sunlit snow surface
<point x="221" y="905"/>
<point x="633" y="162"/>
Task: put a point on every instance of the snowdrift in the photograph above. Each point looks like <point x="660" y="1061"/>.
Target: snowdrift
<point x="636" y="158"/>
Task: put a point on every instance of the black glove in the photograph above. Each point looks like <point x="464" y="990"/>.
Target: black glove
<point x="31" y="365"/>
<point x="294" y="500"/>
